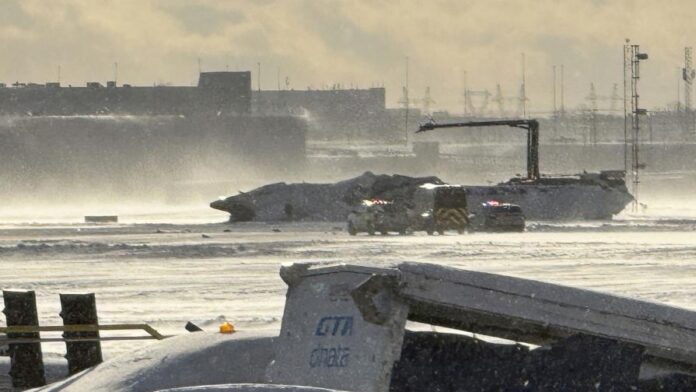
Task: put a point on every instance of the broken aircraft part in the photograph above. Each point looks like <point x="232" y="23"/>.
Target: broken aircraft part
<point x="318" y="202"/>
<point x="584" y="196"/>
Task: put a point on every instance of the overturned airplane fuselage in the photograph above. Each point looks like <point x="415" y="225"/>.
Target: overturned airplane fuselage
<point x="585" y="196"/>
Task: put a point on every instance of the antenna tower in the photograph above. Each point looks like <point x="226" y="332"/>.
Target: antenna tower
<point x="427" y="101"/>
<point x="615" y="98"/>
<point x="405" y="102"/>
<point x="680" y="71"/>
<point x="592" y="97"/>
<point x="562" y="91"/>
<point x="483" y="98"/>
<point x="635" y="57"/>
<point x="500" y="100"/>
<point x="466" y="95"/>
<point x="555" y="108"/>
<point x="626" y="93"/>
<point x="688" y="74"/>
<point x="523" y="89"/>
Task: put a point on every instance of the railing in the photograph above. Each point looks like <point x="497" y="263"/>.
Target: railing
<point x="81" y="335"/>
<point x="152" y="333"/>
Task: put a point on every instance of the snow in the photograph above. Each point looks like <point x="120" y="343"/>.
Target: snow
<point x="193" y="359"/>
<point x="166" y="274"/>
<point x="55" y="369"/>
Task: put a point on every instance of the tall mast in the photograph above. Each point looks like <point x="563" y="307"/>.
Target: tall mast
<point x="626" y="92"/>
<point x="688" y="74"/>
<point x="562" y="92"/>
<point x="406" y="102"/>
<point x="637" y="111"/>
<point x="466" y="94"/>
<point x="523" y="91"/>
<point x="592" y="98"/>
<point x="555" y="107"/>
<point x="554" y="91"/>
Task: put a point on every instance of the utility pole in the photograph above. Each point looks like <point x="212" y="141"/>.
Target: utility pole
<point x="592" y="97"/>
<point x="427" y="101"/>
<point x="466" y="95"/>
<point x="562" y="92"/>
<point x="406" y="102"/>
<point x="555" y="108"/>
<point x="688" y="74"/>
<point x="554" y="91"/>
<point x="258" y="76"/>
<point x="615" y="97"/>
<point x="115" y="72"/>
<point x="500" y="100"/>
<point x="59" y="74"/>
<point x="523" y="91"/>
<point x="679" y="82"/>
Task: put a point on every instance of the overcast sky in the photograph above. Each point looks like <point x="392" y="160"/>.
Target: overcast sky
<point x="364" y="43"/>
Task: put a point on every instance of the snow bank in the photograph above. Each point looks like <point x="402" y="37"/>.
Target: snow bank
<point x="55" y="368"/>
<point x="194" y="359"/>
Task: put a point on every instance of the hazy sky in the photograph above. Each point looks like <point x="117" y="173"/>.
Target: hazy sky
<point x="364" y="43"/>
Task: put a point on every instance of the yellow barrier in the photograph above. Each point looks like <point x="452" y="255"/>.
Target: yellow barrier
<point x="153" y="334"/>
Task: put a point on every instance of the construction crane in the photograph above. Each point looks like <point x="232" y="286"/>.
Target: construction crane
<point x="531" y="125"/>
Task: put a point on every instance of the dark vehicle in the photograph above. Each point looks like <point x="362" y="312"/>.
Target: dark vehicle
<point x="441" y="208"/>
<point x="496" y="216"/>
<point x="392" y="217"/>
<point x="379" y="216"/>
<point x="362" y="219"/>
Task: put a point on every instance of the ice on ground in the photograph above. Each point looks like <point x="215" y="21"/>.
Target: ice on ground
<point x="166" y="275"/>
<point x="195" y="359"/>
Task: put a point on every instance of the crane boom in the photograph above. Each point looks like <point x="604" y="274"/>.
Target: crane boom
<point x="531" y="125"/>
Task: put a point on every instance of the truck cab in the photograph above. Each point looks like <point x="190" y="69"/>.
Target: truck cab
<point x="440" y="207"/>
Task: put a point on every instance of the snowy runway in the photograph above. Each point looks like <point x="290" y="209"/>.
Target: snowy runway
<point x="166" y="275"/>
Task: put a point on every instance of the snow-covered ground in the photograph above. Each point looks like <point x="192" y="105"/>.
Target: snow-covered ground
<point x="166" y="274"/>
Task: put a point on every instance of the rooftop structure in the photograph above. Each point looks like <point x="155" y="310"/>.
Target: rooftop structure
<point x="217" y="92"/>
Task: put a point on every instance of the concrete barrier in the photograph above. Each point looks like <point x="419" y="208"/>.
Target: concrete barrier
<point x="325" y="341"/>
<point x="343" y="326"/>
